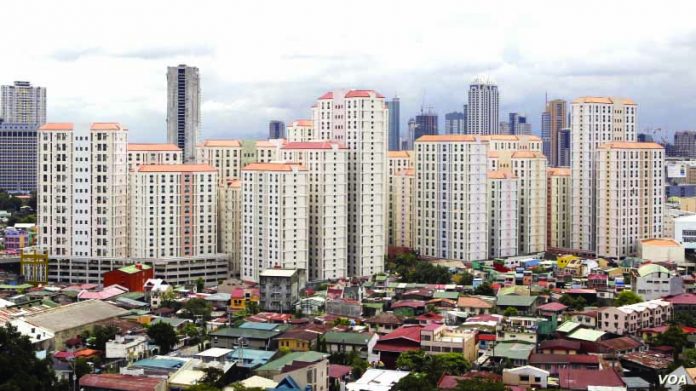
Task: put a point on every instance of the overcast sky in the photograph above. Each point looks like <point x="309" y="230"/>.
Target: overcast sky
<point x="263" y="60"/>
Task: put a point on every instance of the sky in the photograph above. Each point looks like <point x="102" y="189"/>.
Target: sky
<point x="265" y="60"/>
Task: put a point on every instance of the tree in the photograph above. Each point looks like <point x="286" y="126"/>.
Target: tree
<point x="627" y="297"/>
<point x="200" y="284"/>
<point x="463" y="278"/>
<point x="341" y="322"/>
<point x="674" y="336"/>
<point x="433" y="366"/>
<point x="164" y="336"/>
<point x="684" y="319"/>
<point x="688" y="358"/>
<point x="20" y="369"/>
<point x="195" y="308"/>
<point x="213" y="377"/>
<point x="412" y="360"/>
<point x="237" y="386"/>
<point x="358" y="366"/>
<point x="202" y="387"/>
<point x="577" y="303"/>
<point x="82" y="367"/>
<point x="168" y="297"/>
<point x="414" y="381"/>
<point x="252" y="307"/>
<point x="103" y="334"/>
<point x="510" y="311"/>
<point x="485" y="289"/>
<point x="479" y="384"/>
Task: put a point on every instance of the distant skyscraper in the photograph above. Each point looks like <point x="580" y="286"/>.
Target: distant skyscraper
<point x="483" y="108"/>
<point x="276" y="129"/>
<point x="645" y="138"/>
<point x="183" y="109"/>
<point x="504" y="128"/>
<point x="563" y="152"/>
<point x="553" y="120"/>
<point x="394" y="107"/>
<point x="23" y="104"/>
<point x="455" y="122"/>
<point x="18" y="143"/>
<point x="426" y="123"/>
<point x="685" y="143"/>
<point x="411" y="134"/>
<point x="518" y="124"/>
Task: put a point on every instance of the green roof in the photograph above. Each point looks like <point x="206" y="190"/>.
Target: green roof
<point x="14" y="287"/>
<point x="132" y="269"/>
<point x="381" y="277"/>
<point x="347" y="338"/>
<point x="277" y="365"/>
<point x="586" y="334"/>
<point x="650" y="269"/>
<point x="378" y="306"/>
<point x="515" y="301"/>
<point x="568" y="326"/>
<point x="235" y="332"/>
<point x="446" y="295"/>
<point x="513" y="350"/>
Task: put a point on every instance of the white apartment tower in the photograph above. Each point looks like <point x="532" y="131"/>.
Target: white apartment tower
<point x="326" y="162"/>
<point x="274" y="218"/>
<point x="184" y="109"/>
<point x="400" y="198"/>
<point x="483" y="109"/>
<point x="230" y="231"/>
<point x="450" y="213"/>
<point x="301" y="130"/>
<point x="630" y="196"/>
<point x="139" y="154"/>
<point x="594" y="121"/>
<point x="23" y="104"/>
<point x="83" y="190"/>
<point x="359" y="118"/>
<point x="224" y="155"/>
<point x="558" y="208"/>
<point x="174" y="211"/>
<point x="503" y="208"/>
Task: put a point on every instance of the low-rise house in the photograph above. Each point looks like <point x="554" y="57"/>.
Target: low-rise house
<point x="408" y="307"/>
<point x="559" y="346"/>
<point x="439" y="338"/>
<point x="517" y="353"/>
<point x="655" y="331"/>
<point x="551" y="309"/>
<point x="661" y="250"/>
<point x="682" y="303"/>
<point x="526" y="377"/>
<point x="129" y="348"/>
<point x="220" y="301"/>
<point x="616" y="347"/>
<point x="629" y="319"/>
<point x="280" y="289"/>
<point x="474" y="305"/>
<point x="385" y="322"/>
<point x="584" y="379"/>
<point x="587" y="318"/>
<point x="363" y="343"/>
<point x="555" y="362"/>
<point x="241" y="297"/>
<point x="256" y="335"/>
<point x="107" y="293"/>
<point x="429" y="317"/>
<point x="597" y="281"/>
<point x="652" y="281"/>
<point x="313" y="305"/>
<point x="42" y="339"/>
<point x="250" y="358"/>
<point x="525" y="305"/>
<point x="377" y="380"/>
<point x="403" y="339"/>
<point x="155" y="290"/>
<point x="132" y="277"/>
<point x="117" y="382"/>
<point x="648" y="364"/>
<point x="423" y="294"/>
<point x="306" y="368"/>
<point x="298" y="340"/>
<point x="348" y="308"/>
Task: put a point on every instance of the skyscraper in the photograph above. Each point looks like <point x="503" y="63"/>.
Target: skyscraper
<point x="276" y="129"/>
<point x="483" y="108"/>
<point x="685" y="143"/>
<point x="553" y="120"/>
<point x="594" y="121"/>
<point x="564" y="147"/>
<point x="426" y="123"/>
<point x="518" y="124"/>
<point x="394" y="107"/>
<point x="455" y="122"/>
<point x="183" y="109"/>
<point x="23" y="104"/>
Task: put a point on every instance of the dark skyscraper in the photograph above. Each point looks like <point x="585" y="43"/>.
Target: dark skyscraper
<point x="183" y="109"/>
<point x="394" y="124"/>
<point x="546" y="134"/>
<point x="426" y="123"/>
<point x="555" y="118"/>
<point x="563" y="152"/>
<point x="518" y="124"/>
<point x="276" y="129"/>
<point x="685" y="143"/>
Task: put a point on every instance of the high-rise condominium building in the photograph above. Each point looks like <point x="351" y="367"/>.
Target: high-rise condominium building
<point x="275" y="199"/>
<point x="426" y="124"/>
<point x="563" y="148"/>
<point x="224" y="155"/>
<point x="327" y="183"/>
<point x="359" y="118"/>
<point x="503" y="209"/>
<point x="174" y="211"/>
<point x="139" y="154"/>
<point x="82" y="190"/>
<point x="558" y="208"/>
<point x="594" y="121"/>
<point x="451" y="218"/>
<point x="412" y="125"/>
<point x="230" y="229"/>
<point x="276" y="129"/>
<point x="455" y="122"/>
<point x="184" y="109"/>
<point x="630" y="196"/>
<point x="483" y="108"/>
<point x="553" y="120"/>
<point x="522" y="156"/>
<point x="394" y="107"/>
<point x="301" y="130"/>
<point x="685" y="143"/>
<point x="23" y="104"/>
<point x="401" y="174"/>
<point x="18" y="143"/>
<point x="518" y="124"/>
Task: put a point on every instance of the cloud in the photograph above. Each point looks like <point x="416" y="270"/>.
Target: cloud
<point x="73" y="55"/>
<point x="158" y="53"/>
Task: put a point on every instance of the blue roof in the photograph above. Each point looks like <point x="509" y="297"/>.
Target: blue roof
<point x="288" y="384"/>
<point x="258" y="326"/>
<point x="251" y="358"/>
<point x="163" y="363"/>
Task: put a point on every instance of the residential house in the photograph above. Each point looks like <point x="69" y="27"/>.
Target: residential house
<point x="616" y="347"/>
<point x="439" y="338"/>
<point x="385" y="322"/>
<point x="597" y="281"/>
<point x="629" y="319"/>
<point x="280" y="289"/>
<point x="652" y="281"/>
<point x="363" y="343"/>
<point x="526" y="377"/>
<point x="649" y="365"/>
<point x="559" y="346"/>
<point x="517" y="353"/>
<point x="555" y="362"/>
<point x="306" y="368"/>
<point x="390" y="346"/>
<point x="377" y="380"/>
<point x="408" y="307"/>
<point x="117" y="382"/>
<point x="347" y="308"/>
<point x="582" y="379"/>
<point x="298" y="340"/>
<point x="256" y="335"/>
<point x="474" y="305"/>
<point x="525" y="305"/>
<point x="241" y="297"/>
<point x="129" y="348"/>
<point x="250" y="359"/>
<point x="587" y="318"/>
<point x="682" y="303"/>
<point x="551" y="309"/>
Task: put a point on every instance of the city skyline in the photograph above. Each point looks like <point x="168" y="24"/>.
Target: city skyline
<point x="240" y="97"/>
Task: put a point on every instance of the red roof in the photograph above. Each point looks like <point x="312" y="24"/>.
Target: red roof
<point x="555" y="306"/>
<point x="485" y="337"/>
<point x="394" y="347"/>
<point x="537" y="358"/>
<point x="409" y="303"/>
<point x="621" y="343"/>
<point x="411" y="333"/>
<point x="581" y="379"/>
<point x="663" y="328"/>
<point x="328" y="95"/>
<point x="338" y="371"/>
<point x="596" y="276"/>
<point x="363" y="94"/>
<point x="579" y="291"/>
<point x="560" y="344"/>
<point x="430" y="316"/>
<point x="684" y="298"/>
<point x="314" y="145"/>
<point x="112" y="381"/>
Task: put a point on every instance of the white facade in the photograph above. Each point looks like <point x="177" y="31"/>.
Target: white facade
<point x="484" y="108"/>
<point x="224" y="155"/>
<point x="326" y="162"/>
<point x="82" y="190"/>
<point x="400" y="212"/>
<point x="630" y="319"/>
<point x="184" y="109"/>
<point x="558" y="208"/>
<point x="685" y="231"/>
<point x="230" y="234"/>
<point x="503" y="208"/>
<point x="274" y="218"/>
<point x="23" y="104"/>
<point x="139" y="154"/>
<point x="301" y="130"/>
<point x="359" y="118"/>
<point x="652" y="281"/>
<point x="594" y="121"/>
<point x="630" y="196"/>
<point x="451" y="215"/>
<point x="174" y="211"/>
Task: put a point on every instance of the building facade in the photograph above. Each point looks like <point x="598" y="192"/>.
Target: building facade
<point x="554" y="119"/>
<point x="139" y="154"/>
<point x="18" y="144"/>
<point x="685" y="143"/>
<point x="230" y="227"/>
<point x="455" y="122"/>
<point x="224" y="155"/>
<point x="184" y="109"/>
<point x="301" y="130"/>
<point x="23" y="104"/>
<point x="394" y="107"/>
<point x="503" y="209"/>
<point x="484" y="107"/>
<point x="558" y="208"/>
<point x="276" y="129"/>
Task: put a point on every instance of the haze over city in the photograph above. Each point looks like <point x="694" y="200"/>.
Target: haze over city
<point x="269" y="60"/>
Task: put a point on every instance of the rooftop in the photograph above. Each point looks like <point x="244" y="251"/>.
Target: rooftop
<point x="53" y="126"/>
<point x="75" y="315"/>
<point x="446" y="138"/>
<point x="149" y="147"/>
<point x="630" y="145"/>
<point x="302" y="122"/>
<point x="513" y="350"/>
<point x="607" y="100"/>
<point x="106" y="126"/>
<point x="278" y="364"/>
<point x="515" y="301"/>
<point x="221" y="143"/>
<point x="399" y="154"/>
<point x="586" y="359"/>
<point x="176" y="168"/>
<point x="586" y="334"/>
<point x="582" y="379"/>
<point x="278" y="272"/>
<point x="274" y="166"/>
<point x="132" y="269"/>
<point x="112" y="381"/>
<point x="559" y="171"/>
<point x="472" y="302"/>
<point x="500" y="174"/>
<point x="348" y="338"/>
<point x="314" y="145"/>
<point x="665" y="242"/>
